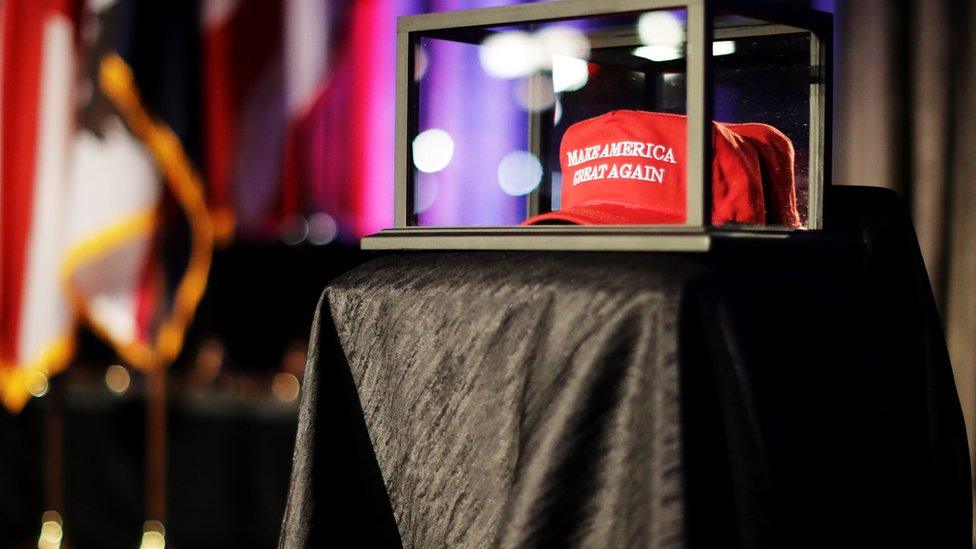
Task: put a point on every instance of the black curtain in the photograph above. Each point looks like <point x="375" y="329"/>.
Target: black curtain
<point x="905" y="111"/>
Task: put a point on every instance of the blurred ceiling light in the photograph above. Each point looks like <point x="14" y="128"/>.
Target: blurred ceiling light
<point x="322" y="229"/>
<point x="723" y="47"/>
<point x="432" y="150"/>
<point x="535" y="93"/>
<point x="294" y="230"/>
<point x="569" y="73"/>
<point x="661" y="28"/>
<point x="514" y="54"/>
<point x="658" y="52"/>
<point x="511" y="54"/>
<point x="52" y="531"/>
<point x="519" y="173"/>
<point x="285" y="387"/>
<point x="117" y="379"/>
<point x="563" y="40"/>
<point x="37" y="384"/>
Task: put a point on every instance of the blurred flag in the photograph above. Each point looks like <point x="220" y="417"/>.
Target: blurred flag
<point x="37" y="69"/>
<point x="244" y="114"/>
<point x="308" y="32"/>
<point x="139" y="230"/>
<point x="108" y="107"/>
<point x="342" y="115"/>
<point x="266" y="68"/>
<point x="103" y="213"/>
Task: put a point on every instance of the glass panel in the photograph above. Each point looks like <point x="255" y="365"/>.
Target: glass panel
<point x="762" y="90"/>
<point x="576" y="121"/>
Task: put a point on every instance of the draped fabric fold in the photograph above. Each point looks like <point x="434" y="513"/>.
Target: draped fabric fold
<point x="774" y="394"/>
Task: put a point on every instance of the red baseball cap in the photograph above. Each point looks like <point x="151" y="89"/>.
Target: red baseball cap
<point x="628" y="168"/>
<point x="776" y="158"/>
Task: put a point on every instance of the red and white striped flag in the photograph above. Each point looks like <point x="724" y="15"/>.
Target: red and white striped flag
<point x="88" y="174"/>
<point x="37" y="67"/>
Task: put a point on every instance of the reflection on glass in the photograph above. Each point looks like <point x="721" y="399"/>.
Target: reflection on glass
<point x="519" y="173"/>
<point x="432" y="150"/>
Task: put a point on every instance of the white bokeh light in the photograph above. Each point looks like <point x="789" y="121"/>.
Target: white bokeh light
<point x="519" y="173"/>
<point x="723" y="47"/>
<point x="514" y="54"/>
<point x="661" y="28"/>
<point x="569" y="73"/>
<point x="511" y="54"/>
<point x="563" y="40"/>
<point x="658" y="52"/>
<point x="432" y="150"/>
<point x="665" y="52"/>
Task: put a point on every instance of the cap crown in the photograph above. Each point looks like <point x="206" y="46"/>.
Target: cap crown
<point x="630" y="167"/>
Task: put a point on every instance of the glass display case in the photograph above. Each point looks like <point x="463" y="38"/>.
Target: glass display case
<point x="613" y="125"/>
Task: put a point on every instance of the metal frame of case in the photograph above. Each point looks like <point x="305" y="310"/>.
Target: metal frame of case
<point x="696" y="234"/>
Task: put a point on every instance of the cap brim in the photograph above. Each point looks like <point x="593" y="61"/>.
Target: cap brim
<point x="607" y="213"/>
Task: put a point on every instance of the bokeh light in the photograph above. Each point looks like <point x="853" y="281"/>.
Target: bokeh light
<point x="432" y="150"/>
<point x="563" y="40"/>
<point x="515" y="54"/>
<point x="661" y="28"/>
<point x="658" y="52"/>
<point x="37" y="384"/>
<point x="519" y="173"/>
<point x="208" y="362"/>
<point x="511" y="54"/>
<point x="153" y="535"/>
<point x="294" y="229"/>
<point x="52" y="531"/>
<point x="569" y="73"/>
<point x="723" y="47"/>
<point x="117" y="379"/>
<point x="322" y="229"/>
<point x="285" y="387"/>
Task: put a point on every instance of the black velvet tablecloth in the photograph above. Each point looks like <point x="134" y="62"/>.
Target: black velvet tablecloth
<point x="778" y="395"/>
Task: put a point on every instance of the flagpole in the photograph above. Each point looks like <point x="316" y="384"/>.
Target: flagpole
<point x="53" y="443"/>
<point x="52" y="528"/>
<point x="155" y="453"/>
